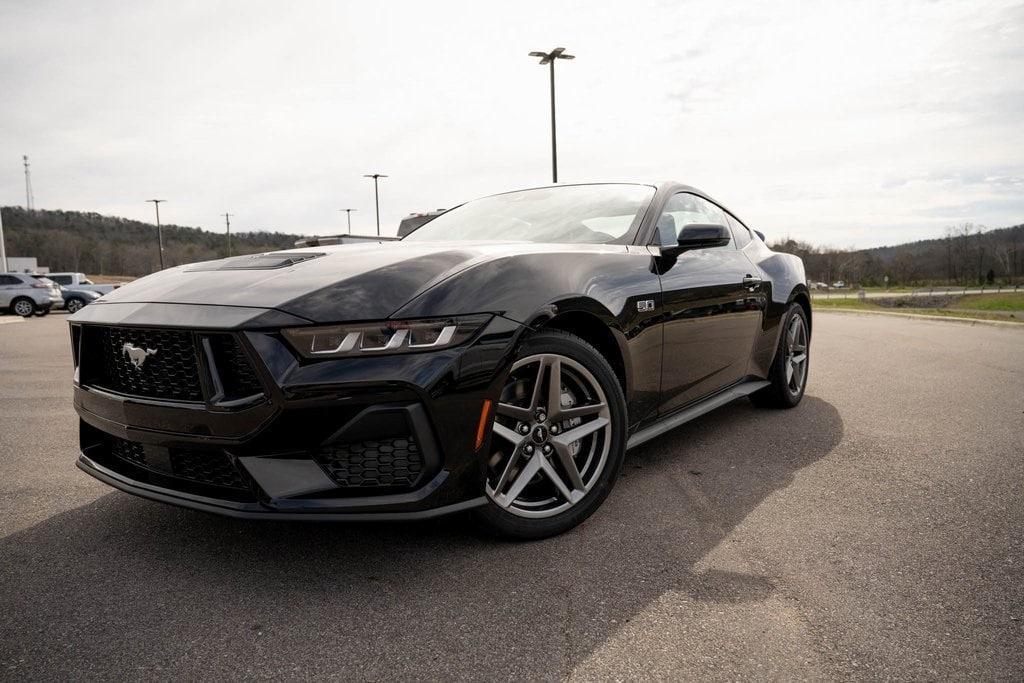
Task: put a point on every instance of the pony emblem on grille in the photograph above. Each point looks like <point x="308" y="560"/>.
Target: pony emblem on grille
<point x="137" y="355"/>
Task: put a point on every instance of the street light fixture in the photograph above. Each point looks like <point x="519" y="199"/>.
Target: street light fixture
<point x="159" y="230"/>
<point x="549" y="58"/>
<point x="376" y="196"/>
<point x="348" y="215"/>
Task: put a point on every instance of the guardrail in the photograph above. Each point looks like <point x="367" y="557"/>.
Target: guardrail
<point x="923" y="291"/>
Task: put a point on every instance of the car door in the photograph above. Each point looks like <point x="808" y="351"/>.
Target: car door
<point x="9" y="285"/>
<point x="713" y="305"/>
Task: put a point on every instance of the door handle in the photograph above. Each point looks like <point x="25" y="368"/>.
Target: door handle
<point x="749" y="279"/>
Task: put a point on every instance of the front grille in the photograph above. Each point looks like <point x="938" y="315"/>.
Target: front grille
<point x="383" y="463"/>
<point x="171" y="372"/>
<point x="129" y="450"/>
<point x="212" y="467"/>
<point x="207" y="467"/>
<point x="236" y="372"/>
<point x="164" y="364"/>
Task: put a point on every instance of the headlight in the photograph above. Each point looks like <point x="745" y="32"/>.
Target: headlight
<point x="382" y="338"/>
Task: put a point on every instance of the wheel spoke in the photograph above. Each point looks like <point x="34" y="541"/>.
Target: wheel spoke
<point x="515" y="412"/>
<point x="524" y="477"/>
<point x="579" y="411"/>
<point x="789" y="373"/>
<point x="538" y="384"/>
<point x="555" y="388"/>
<point x="577" y="433"/>
<point x="553" y="477"/>
<point x="512" y="460"/>
<point x="569" y="465"/>
<point x="798" y="358"/>
<point x="509" y="435"/>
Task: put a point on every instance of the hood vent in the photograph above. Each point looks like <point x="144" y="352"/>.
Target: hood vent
<point x="279" y="259"/>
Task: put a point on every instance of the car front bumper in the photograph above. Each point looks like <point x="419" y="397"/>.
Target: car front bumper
<point x="377" y="438"/>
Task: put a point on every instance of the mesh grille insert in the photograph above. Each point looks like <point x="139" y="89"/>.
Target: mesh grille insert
<point x="170" y="372"/>
<point x="212" y="467"/>
<point x="383" y="463"/>
<point x="236" y="372"/>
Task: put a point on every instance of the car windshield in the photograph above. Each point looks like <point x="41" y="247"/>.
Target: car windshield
<point x="594" y="214"/>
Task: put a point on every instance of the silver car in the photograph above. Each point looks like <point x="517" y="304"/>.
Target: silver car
<point x="25" y="295"/>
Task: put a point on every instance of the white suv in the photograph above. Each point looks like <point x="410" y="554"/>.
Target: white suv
<point x="24" y="295"/>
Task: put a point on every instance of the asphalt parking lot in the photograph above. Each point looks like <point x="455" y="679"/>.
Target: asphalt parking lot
<point x="877" y="531"/>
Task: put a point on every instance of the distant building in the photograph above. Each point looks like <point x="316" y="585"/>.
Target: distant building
<point x="25" y="264"/>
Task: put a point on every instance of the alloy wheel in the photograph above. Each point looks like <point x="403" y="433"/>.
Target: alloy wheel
<point x="796" y="355"/>
<point x="24" y="308"/>
<point x="74" y="306"/>
<point x="553" y="432"/>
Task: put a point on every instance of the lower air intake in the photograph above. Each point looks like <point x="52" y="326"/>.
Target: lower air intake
<point x="385" y="463"/>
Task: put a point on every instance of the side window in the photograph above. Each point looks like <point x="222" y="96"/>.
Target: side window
<point x="9" y="280"/>
<point x="740" y="232"/>
<point x="61" y="279"/>
<point x="681" y="210"/>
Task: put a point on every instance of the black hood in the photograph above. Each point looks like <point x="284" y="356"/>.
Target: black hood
<point x="324" y="284"/>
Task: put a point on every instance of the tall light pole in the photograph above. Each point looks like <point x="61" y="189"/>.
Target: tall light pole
<point x="30" y="200"/>
<point x="227" y="221"/>
<point x="376" y="196"/>
<point x="549" y="58"/>
<point x="159" y="230"/>
<point x="348" y="215"/>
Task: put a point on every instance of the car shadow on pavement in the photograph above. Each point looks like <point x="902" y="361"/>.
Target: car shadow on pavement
<point x="124" y="587"/>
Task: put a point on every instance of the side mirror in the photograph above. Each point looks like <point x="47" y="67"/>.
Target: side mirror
<point x="761" y="235"/>
<point x="699" y="236"/>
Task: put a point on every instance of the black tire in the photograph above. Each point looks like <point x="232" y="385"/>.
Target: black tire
<point x="42" y="311"/>
<point x="74" y="304"/>
<point x="781" y="393"/>
<point x="497" y="520"/>
<point x="24" y="307"/>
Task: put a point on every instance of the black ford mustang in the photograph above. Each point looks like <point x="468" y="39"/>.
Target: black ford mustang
<point x="502" y="358"/>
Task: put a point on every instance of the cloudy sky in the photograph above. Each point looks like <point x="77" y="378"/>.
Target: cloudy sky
<point x="849" y="124"/>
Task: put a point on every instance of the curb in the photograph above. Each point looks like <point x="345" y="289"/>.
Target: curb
<point x="12" y="319"/>
<point x="918" y="316"/>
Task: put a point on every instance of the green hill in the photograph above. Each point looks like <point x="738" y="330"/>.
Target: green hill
<point x="108" y="245"/>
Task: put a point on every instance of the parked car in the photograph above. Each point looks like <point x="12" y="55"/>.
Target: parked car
<point x="76" y="299"/>
<point x="80" y="281"/>
<point x="501" y="358"/>
<point x="73" y="299"/>
<point x="24" y="295"/>
<point x="838" y="284"/>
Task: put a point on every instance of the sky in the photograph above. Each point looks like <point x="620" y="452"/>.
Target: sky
<point x="844" y="124"/>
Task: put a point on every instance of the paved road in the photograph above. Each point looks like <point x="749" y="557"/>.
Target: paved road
<point x="874" y="532"/>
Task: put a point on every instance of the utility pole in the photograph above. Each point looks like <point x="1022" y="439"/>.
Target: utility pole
<point x="549" y="58"/>
<point x="348" y="215"/>
<point x="30" y="200"/>
<point x="227" y="221"/>
<point x="3" y="249"/>
<point x="376" y="196"/>
<point x="159" y="230"/>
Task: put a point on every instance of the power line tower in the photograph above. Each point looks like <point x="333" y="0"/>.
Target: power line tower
<point x="30" y="200"/>
<point x="227" y="221"/>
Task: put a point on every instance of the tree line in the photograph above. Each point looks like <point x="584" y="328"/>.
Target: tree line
<point x="967" y="254"/>
<point x="107" y="245"/>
